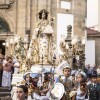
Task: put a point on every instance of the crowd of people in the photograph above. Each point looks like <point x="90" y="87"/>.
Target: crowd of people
<point x="78" y="84"/>
<point x="89" y="70"/>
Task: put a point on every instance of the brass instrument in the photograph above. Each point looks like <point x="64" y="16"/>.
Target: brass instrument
<point x="68" y="87"/>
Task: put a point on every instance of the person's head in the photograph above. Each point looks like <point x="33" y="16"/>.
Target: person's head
<point x="83" y="86"/>
<point x="48" y="76"/>
<point x="35" y="77"/>
<point x="43" y="14"/>
<point x="73" y="76"/>
<point x="22" y="92"/>
<point x="48" y="73"/>
<point x="79" y="77"/>
<point x="88" y="66"/>
<point x="67" y="71"/>
<point x="94" y="78"/>
<point x="27" y="77"/>
<point x="9" y="59"/>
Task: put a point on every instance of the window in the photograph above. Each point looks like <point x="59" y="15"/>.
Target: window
<point x="5" y="1"/>
<point x="65" y="5"/>
<point x="4" y="27"/>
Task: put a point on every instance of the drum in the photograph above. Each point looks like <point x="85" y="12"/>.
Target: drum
<point x="58" y="91"/>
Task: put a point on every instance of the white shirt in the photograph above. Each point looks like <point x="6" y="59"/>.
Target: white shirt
<point x="98" y="71"/>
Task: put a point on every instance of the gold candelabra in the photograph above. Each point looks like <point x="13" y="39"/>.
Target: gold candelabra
<point x="19" y="48"/>
<point x="73" y="50"/>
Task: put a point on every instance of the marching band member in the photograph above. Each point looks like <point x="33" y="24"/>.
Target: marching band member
<point x="27" y="79"/>
<point x="81" y="92"/>
<point x="37" y="93"/>
<point x="28" y="84"/>
<point x="94" y="88"/>
<point x="48" y="79"/>
<point x="73" y="77"/>
<point x="66" y="81"/>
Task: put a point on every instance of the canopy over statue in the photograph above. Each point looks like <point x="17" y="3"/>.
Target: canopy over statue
<point x="42" y="42"/>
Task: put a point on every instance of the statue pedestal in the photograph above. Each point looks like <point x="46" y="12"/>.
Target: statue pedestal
<point x="16" y="78"/>
<point x="38" y="67"/>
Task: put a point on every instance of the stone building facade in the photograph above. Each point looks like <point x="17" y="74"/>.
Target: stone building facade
<point x="20" y="16"/>
<point x="95" y="35"/>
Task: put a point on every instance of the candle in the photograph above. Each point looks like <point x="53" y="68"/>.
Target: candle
<point x="83" y="41"/>
<point x="25" y="40"/>
<point x="25" y="46"/>
<point x="7" y="44"/>
<point x="16" y="39"/>
<point x="74" y="41"/>
<point x="3" y="43"/>
<point x="67" y="46"/>
<point x="11" y="41"/>
<point x="33" y="37"/>
<point x="30" y="50"/>
<point x="28" y="55"/>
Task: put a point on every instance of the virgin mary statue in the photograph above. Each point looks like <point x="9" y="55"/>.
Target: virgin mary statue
<point x="41" y="45"/>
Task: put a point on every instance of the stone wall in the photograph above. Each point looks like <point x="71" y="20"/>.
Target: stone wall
<point x="79" y="12"/>
<point x="97" y="48"/>
<point x="22" y="15"/>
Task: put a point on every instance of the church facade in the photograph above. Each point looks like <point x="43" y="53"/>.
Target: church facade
<point x="19" y="17"/>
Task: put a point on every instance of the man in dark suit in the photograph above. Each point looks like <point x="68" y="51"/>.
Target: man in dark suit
<point x="94" y="88"/>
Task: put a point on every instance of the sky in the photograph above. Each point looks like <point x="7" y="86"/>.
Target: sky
<point x="92" y="13"/>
